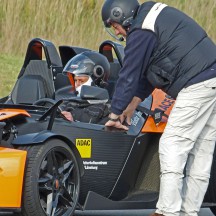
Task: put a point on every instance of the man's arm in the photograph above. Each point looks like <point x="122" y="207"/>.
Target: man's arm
<point x="138" y="50"/>
<point x="132" y="86"/>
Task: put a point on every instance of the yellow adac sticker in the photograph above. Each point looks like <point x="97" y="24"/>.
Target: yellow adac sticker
<point x="84" y="147"/>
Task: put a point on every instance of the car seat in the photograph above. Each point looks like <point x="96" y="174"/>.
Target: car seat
<point x="34" y="84"/>
<point x="37" y="77"/>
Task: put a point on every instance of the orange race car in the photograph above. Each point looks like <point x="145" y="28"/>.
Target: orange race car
<point x="50" y="166"/>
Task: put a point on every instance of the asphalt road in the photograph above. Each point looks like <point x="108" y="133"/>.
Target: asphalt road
<point x="203" y="212"/>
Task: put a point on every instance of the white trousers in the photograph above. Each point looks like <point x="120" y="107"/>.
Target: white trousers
<point x="187" y="147"/>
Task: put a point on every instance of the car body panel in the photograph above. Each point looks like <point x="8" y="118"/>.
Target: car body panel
<point x="161" y="101"/>
<point x="12" y="164"/>
<point x="8" y="113"/>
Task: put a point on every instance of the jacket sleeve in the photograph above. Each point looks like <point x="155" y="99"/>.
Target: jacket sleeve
<point x="132" y="82"/>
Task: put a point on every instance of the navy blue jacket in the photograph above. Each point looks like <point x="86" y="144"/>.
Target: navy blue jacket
<point x="139" y="47"/>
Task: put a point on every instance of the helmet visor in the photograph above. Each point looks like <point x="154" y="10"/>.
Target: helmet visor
<point x="79" y="65"/>
<point x="111" y="32"/>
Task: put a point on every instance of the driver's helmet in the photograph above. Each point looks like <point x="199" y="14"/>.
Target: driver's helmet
<point x="88" y="63"/>
<point x="119" y="11"/>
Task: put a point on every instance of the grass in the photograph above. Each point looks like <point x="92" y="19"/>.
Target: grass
<point x="68" y="22"/>
<point x="74" y="22"/>
<point x="9" y="69"/>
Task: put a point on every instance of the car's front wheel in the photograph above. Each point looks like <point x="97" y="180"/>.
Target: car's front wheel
<point x="52" y="180"/>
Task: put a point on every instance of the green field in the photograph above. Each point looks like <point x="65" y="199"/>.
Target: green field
<point x="9" y="68"/>
<point x="67" y="22"/>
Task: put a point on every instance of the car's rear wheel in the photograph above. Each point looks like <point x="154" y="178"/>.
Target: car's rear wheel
<point x="52" y="180"/>
<point x="210" y="196"/>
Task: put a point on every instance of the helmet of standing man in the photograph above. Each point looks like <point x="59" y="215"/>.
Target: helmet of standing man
<point x="119" y="11"/>
<point x="88" y="63"/>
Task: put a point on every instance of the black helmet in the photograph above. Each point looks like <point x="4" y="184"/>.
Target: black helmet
<point x="89" y="63"/>
<point x="119" y="11"/>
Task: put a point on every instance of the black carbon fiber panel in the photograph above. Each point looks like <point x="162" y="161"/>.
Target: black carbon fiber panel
<point x="109" y="151"/>
<point x="149" y="175"/>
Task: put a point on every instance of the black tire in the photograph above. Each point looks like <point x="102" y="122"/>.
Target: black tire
<point x="211" y="191"/>
<point x="52" y="180"/>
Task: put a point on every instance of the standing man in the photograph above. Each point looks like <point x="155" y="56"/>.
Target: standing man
<point x="166" y="49"/>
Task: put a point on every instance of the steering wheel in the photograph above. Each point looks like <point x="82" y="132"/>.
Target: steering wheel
<point x="50" y="101"/>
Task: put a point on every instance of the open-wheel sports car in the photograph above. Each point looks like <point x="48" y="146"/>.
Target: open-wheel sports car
<point x="50" y="166"/>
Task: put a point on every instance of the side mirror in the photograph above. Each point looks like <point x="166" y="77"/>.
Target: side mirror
<point x="93" y="93"/>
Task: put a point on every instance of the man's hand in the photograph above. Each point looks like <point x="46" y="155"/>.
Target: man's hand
<point x="115" y="122"/>
<point x="67" y="115"/>
<point x="128" y="113"/>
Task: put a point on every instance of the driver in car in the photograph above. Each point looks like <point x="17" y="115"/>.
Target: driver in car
<point x="88" y="68"/>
